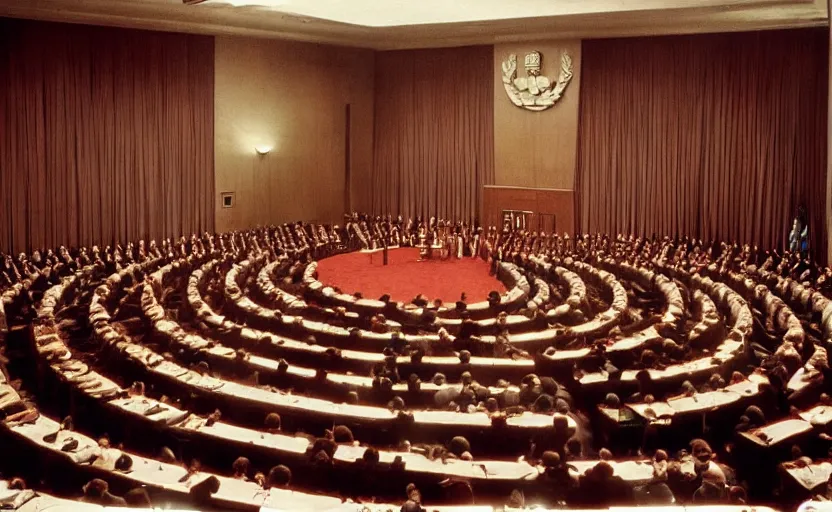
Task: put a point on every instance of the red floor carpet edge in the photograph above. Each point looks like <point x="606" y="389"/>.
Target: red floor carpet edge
<point x="405" y="276"/>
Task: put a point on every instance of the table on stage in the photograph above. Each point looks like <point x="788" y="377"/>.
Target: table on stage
<point x="377" y="255"/>
<point x="433" y="252"/>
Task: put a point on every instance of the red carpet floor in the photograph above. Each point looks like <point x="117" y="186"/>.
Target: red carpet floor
<point x="405" y="277"/>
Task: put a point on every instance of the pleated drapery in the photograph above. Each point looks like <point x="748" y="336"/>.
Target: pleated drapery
<point x="434" y="134"/>
<point x="716" y="136"/>
<point x="107" y="134"/>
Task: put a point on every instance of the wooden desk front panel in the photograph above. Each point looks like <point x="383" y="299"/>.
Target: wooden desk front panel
<point x="560" y="203"/>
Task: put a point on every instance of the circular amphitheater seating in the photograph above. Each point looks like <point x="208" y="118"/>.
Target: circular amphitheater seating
<point x="158" y="366"/>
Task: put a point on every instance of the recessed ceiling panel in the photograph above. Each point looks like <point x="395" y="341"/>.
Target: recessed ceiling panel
<point x="386" y="13"/>
<point x="397" y="24"/>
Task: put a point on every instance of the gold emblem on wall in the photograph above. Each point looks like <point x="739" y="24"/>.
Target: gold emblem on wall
<point x="534" y="91"/>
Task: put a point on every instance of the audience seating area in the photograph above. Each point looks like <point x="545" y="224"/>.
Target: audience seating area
<point x="217" y="372"/>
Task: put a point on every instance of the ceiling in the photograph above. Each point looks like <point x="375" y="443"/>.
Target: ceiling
<point x="393" y="24"/>
<point x="389" y="13"/>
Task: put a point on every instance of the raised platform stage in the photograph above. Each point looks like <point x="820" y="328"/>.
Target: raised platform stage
<point x="407" y="275"/>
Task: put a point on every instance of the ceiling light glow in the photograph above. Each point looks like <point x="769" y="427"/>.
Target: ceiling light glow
<point x="250" y="3"/>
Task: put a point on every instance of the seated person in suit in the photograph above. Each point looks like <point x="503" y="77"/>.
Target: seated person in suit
<point x="97" y="491"/>
<point x="279" y="476"/>
<point x="600" y="487"/>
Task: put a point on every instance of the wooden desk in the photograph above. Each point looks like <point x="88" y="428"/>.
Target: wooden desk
<point x="631" y="471"/>
<point x="810" y="477"/>
<point x="778" y="433"/>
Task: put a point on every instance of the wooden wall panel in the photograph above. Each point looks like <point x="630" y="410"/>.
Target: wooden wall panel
<point x="558" y="202"/>
<point x="293" y="97"/>
<point x="537" y="149"/>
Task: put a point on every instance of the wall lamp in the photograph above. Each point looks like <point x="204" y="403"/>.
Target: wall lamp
<point x="262" y="150"/>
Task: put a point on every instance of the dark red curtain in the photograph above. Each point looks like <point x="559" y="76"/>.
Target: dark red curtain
<point x="107" y="134"/>
<point x="434" y="131"/>
<point x="716" y="136"/>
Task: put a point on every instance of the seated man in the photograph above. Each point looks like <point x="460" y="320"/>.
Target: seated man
<point x="599" y="486"/>
<point x="97" y="491"/>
